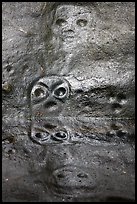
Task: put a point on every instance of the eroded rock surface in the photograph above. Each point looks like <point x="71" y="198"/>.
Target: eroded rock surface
<point x="68" y="101"/>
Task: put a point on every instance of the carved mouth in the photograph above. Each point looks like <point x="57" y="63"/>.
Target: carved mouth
<point x="68" y="37"/>
<point x="68" y="33"/>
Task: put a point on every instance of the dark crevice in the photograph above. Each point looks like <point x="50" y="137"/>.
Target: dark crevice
<point x="50" y="104"/>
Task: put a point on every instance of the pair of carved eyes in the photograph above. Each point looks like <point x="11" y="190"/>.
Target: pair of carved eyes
<point x="79" y="22"/>
<point x="43" y="137"/>
<point x="41" y="91"/>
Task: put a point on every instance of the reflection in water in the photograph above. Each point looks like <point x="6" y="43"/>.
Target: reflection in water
<point x="82" y="121"/>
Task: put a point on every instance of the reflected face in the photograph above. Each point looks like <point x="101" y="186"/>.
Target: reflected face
<point x="73" y="23"/>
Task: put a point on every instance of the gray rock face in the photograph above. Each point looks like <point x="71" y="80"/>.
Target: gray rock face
<point x="68" y="101"/>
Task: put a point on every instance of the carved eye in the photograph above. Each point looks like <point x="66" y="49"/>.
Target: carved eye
<point x="82" y="22"/>
<point x="38" y="92"/>
<point x="60" y="21"/>
<point x="61" y="92"/>
<point x="59" y="136"/>
<point x="42" y="136"/>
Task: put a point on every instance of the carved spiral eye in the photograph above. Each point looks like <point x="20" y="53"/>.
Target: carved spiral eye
<point x="82" y="22"/>
<point x="60" y="22"/>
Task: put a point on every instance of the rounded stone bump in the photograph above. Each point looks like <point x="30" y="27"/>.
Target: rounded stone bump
<point x="6" y="87"/>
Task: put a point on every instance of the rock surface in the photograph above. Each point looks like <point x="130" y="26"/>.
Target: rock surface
<point x="68" y="101"/>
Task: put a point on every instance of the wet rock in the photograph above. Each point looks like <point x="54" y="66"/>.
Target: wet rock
<point x="68" y="101"/>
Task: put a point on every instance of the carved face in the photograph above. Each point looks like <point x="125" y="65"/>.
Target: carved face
<point x="80" y="123"/>
<point x="48" y="97"/>
<point x="81" y="134"/>
<point x="80" y="116"/>
<point x="72" y="24"/>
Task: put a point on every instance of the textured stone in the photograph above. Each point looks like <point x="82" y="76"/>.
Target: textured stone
<point x="68" y="101"/>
